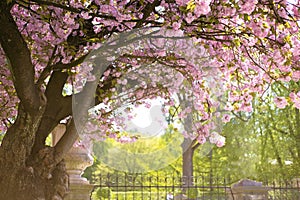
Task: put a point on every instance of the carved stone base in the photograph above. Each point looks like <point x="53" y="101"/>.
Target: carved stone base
<point x="76" y="161"/>
<point x="79" y="191"/>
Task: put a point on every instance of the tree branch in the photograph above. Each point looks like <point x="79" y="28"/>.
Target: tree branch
<point x="196" y="146"/>
<point x="149" y="8"/>
<point x="56" y="85"/>
<point x="57" y="5"/>
<point x="58" y="108"/>
<point x="53" y="115"/>
<point x="59" y="66"/>
<point x="19" y="58"/>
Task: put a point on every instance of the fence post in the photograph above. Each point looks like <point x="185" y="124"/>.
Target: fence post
<point x="76" y="160"/>
<point x="248" y="190"/>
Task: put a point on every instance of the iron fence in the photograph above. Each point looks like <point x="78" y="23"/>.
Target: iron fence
<point x="202" y="187"/>
<point x="284" y="189"/>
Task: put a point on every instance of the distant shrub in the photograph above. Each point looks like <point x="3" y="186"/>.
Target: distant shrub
<point x="102" y="193"/>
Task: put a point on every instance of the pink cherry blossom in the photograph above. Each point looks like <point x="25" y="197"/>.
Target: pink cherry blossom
<point x="247" y="7"/>
<point x="202" y="7"/>
<point x="220" y="142"/>
<point x="201" y="139"/>
<point x="182" y="2"/>
<point x="226" y="118"/>
<point x="295" y="98"/>
<point x="280" y="102"/>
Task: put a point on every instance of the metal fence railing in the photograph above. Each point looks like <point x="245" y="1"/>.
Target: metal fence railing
<point x="203" y="187"/>
<point x="284" y="190"/>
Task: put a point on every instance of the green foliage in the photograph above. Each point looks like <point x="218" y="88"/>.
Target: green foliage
<point x="192" y="193"/>
<point x="103" y="193"/>
<point x="146" y="154"/>
<point x="259" y="146"/>
<point x="49" y="140"/>
<point x="262" y="145"/>
<point x="1" y="136"/>
<point x="92" y="172"/>
<point x="138" y="195"/>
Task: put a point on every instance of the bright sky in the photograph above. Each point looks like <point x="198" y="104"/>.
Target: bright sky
<point x="142" y="116"/>
<point x="149" y="122"/>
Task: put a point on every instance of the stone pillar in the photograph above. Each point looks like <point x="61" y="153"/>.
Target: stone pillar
<point x="248" y="190"/>
<point x="57" y="133"/>
<point x="77" y="160"/>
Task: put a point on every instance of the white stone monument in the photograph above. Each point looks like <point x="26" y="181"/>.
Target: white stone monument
<point x="77" y="160"/>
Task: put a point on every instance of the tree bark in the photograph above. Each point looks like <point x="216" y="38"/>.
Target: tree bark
<point x="19" y="58"/>
<point x="28" y="169"/>
<point x="187" y="162"/>
<point x="297" y="133"/>
<point x="41" y="178"/>
<point x="15" y="175"/>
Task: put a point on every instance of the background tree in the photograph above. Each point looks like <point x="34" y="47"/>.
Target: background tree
<point x="261" y="145"/>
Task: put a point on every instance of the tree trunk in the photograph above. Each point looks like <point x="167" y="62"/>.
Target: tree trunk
<point x="297" y="133"/>
<point x="187" y="162"/>
<point x="23" y="183"/>
<point x="26" y="176"/>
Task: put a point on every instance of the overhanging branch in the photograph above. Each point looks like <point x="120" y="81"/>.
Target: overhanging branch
<point x="19" y="58"/>
<point x="58" y="67"/>
<point x="57" y="5"/>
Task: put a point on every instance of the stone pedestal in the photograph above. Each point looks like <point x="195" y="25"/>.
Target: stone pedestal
<point x="76" y="160"/>
<point x="79" y="192"/>
<point x="248" y="190"/>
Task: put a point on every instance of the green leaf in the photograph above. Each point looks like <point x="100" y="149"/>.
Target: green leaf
<point x="247" y="17"/>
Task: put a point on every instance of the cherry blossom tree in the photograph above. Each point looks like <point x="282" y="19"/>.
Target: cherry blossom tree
<point x="44" y="44"/>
